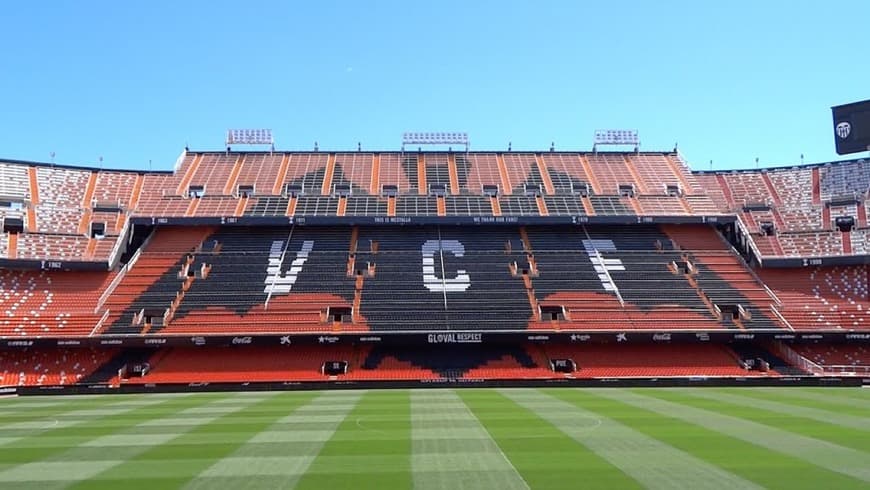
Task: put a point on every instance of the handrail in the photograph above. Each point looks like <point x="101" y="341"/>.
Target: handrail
<point x="844" y="369"/>
<point x="758" y="257"/>
<point x="781" y="318"/>
<point x="751" y="241"/>
<point x="121" y="274"/>
<point x="792" y="356"/>
<point x="99" y="323"/>
<point x="116" y="249"/>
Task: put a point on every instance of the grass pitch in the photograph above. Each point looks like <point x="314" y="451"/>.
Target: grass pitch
<point x="441" y="439"/>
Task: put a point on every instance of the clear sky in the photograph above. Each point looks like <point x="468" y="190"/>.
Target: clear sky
<point x="135" y="81"/>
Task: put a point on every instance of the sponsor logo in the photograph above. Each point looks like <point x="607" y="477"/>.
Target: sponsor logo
<point x="7" y="391"/>
<point x="580" y="338"/>
<point x="858" y="336"/>
<point x="112" y="342"/>
<point x="539" y="337"/>
<point x="369" y="339"/>
<point x="242" y="340"/>
<point x="812" y="336"/>
<point x="622" y="337"/>
<point x="69" y="342"/>
<point x="285" y="340"/>
<point x="844" y="129"/>
<point x="19" y="343"/>
<point x="784" y="336"/>
<point x="327" y="339"/>
<point x="661" y="337"/>
<point x="703" y="337"/>
<point x="155" y="341"/>
<point x="744" y="336"/>
<point x="454" y="338"/>
<point x="197" y="340"/>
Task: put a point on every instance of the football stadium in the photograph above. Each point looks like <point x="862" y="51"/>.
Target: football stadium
<point x="250" y="245"/>
<point x="253" y="307"/>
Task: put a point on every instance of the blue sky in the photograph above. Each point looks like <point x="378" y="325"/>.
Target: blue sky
<point x="135" y="81"/>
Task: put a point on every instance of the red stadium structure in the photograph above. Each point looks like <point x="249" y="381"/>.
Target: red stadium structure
<point x="305" y="268"/>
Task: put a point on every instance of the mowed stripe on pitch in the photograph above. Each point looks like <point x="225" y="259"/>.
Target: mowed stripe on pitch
<point x="751" y="462"/>
<point x="804" y="398"/>
<point x="771" y="404"/>
<point x="450" y="449"/>
<point x="60" y="413"/>
<point x="100" y="446"/>
<point x="147" y="463"/>
<point x="542" y="454"/>
<point x="813" y="452"/>
<point x="653" y="463"/>
<point x="370" y="449"/>
<point x="276" y="454"/>
<point x="770" y="416"/>
<point x="82" y="426"/>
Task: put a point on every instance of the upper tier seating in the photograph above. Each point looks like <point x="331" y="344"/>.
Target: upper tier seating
<point x="55" y="202"/>
<point x="846" y="179"/>
<point x="14" y="182"/>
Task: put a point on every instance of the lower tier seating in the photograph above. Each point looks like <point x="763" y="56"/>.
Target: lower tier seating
<point x="451" y="362"/>
<point x="49" y="366"/>
<point x="837" y="358"/>
<point x="624" y="360"/>
<point x="239" y="365"/>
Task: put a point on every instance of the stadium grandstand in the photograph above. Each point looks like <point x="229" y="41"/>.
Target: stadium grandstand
<point x="426" y="266"/>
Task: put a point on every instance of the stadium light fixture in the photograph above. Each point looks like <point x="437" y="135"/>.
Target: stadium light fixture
<point x="616" y="137"/>
<point x="435" y="138"/>
<point x="249" y="137"/>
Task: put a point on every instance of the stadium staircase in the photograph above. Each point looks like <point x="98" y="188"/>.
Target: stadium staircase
<point x="775" y="363"/>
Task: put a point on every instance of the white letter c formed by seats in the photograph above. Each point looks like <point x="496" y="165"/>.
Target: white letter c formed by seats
<point x="453" y="285"/>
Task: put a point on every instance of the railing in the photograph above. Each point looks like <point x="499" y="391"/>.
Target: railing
<point x="846" y="370"/>
<point x="796" y="359"/>
<point x="116" y="249"/>
<point x="99" y="324"/>
<point x="123" y="272"/>
<point x="781" y="318"/>
<point x="749" y="240"/>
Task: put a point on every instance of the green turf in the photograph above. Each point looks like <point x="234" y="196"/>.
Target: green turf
<point x="441" y="439"/>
